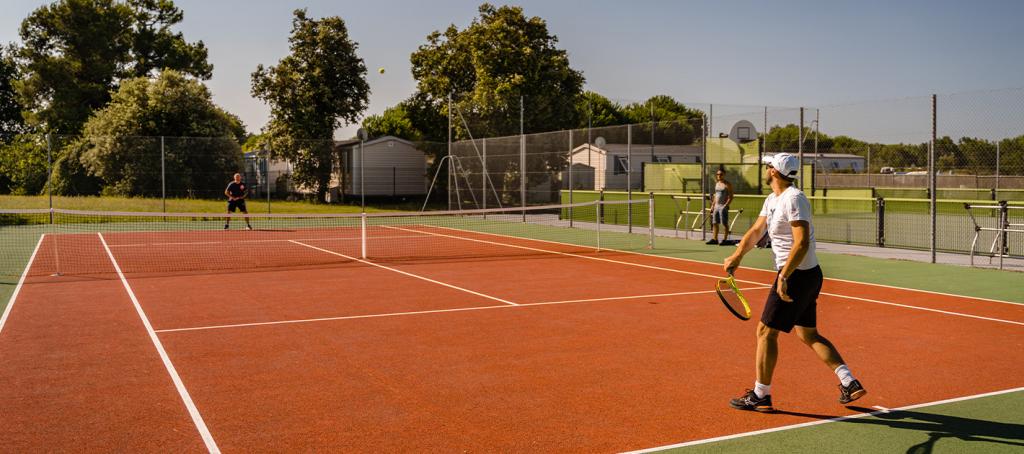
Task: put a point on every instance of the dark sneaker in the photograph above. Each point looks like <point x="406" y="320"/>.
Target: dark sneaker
<point x="851" y="393"/>
<point x="248" y="227"/>
<point x="750" y="401"/>
<point x="712" y="242"/>
<point x="225" y="226"/>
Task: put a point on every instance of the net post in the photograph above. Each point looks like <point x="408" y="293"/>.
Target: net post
<point x="598" y="220"/>
<point x="650" y="218"/>
<point x="362" y="234"/>
<point x="880" y="234"/>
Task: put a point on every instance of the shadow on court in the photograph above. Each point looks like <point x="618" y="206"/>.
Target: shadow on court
<point x="937" y="427"/>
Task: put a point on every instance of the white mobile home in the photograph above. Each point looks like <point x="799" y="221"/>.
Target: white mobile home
<point x="606" y="168"/>
<point x="834" y="162"/>
<point x="392" y="167"/>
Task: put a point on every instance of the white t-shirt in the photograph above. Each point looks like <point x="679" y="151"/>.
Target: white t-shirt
<point x="791" y="205"/>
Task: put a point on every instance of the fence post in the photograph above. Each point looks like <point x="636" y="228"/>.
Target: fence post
<point x="522" y="159"/>
<point x="49" y="174"/>
<point x="266" y="165"/>
<point x="1004" y="224"/>
<point x="486" y="177"/>
<point x="931" y="175"/>
<point x="394" y="181"/>
<point x="703" y="176"/>
<point x="800" y="148"/>
<point x="880" y="234"/>
<point x="570" y="180"/>
<point x="996" y="190"/>
<point x="163" y="176"/>
<point x="629" y="172"/>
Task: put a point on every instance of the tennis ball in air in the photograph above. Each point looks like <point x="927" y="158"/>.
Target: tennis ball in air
<point x="380" y="70"/>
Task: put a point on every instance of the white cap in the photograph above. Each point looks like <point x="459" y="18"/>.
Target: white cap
<point x="787" y="164"/>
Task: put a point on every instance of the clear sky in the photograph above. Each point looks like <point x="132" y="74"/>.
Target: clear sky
<point x="779" y="53"/>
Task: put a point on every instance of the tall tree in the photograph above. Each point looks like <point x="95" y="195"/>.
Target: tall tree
<point x="75" y="52"/>
<point x="121" y="147"/>
<point x="314" y="90"/>
<point x="501" y="56"/>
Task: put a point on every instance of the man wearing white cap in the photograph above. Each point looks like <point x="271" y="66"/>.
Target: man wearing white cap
<point x="792" y="302"/>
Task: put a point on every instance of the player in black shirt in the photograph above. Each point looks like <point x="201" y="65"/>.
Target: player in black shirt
<point x="236" y="192"/>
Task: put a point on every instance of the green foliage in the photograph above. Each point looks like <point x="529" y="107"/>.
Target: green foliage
<point x="70" y="177"/>
<point x="787" y="139"/>
<point x="74" y="53"/>
<point x="501" y="56"/>
<point x="394" y="121"/>
<point x="674" y="123"/>
<point x="11" y="122"/>
<point x="666" y="108"/>
<point x="23" y="165"/>
<point x="1011" y="153"/>
<point x="255" y="142"/>
<point x="121" y="143"/>
<point x="427" y="117"/>
<point x="596" y="110"/>
<point x="321" y="84"/>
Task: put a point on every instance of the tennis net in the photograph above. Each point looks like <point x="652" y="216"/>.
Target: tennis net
<point x="70" y="242"/>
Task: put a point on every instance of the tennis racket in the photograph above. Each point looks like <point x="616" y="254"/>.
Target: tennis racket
<point x="730" y="295"/>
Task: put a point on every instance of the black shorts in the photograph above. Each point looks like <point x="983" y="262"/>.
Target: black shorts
<point x="237" y="204"/>
<point x="803" y="287"/>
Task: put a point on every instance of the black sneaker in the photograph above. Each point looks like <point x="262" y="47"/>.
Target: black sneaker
<point x="712" y="242"/>
<point x="225" y="226"/>
<point x="750" y="401"/>
<point x="851" y="393"/>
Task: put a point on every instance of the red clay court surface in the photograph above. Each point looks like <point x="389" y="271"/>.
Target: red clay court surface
<point x="548" y="351"/>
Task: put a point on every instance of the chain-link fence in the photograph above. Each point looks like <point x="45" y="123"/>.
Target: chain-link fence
<point x="959" y="148"/>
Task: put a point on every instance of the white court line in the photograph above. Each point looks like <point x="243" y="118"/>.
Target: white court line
<point x="406" y="273"/>
<point x="280" y="240"/>
<point x="197" y="419"/>
<point x="653" y="295"/>
<point x="21" y="282"/>
<point x="958" y="314"/>
<point x="433" y="311"/>
<point x="697" y="274"/>
<point x="681" y="259"/>
<point x="570" y="254"/>
<point x="825" y="421"/>
<point x="882" y="409"/>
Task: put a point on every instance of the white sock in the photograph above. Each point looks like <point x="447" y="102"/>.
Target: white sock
<point x="845" y="377"/>
<point x="762" y="390"/>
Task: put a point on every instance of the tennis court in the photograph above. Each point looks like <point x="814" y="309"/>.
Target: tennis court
<point x="497" y="331"/>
